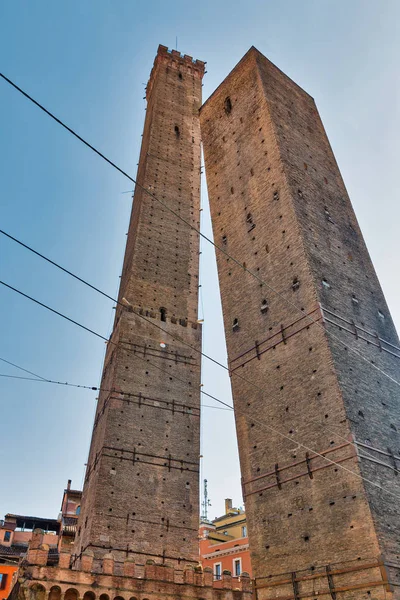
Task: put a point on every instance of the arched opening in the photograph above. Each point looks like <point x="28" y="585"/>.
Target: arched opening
<point x="78" y="510"/>
<point x="104" y="597"/>
<point x="119" y="598"/>
<point x="55" y="593"/>
<point x="228" y="105"/>
<point x="163" y="313"/>
<point x="37" y="592"/>
<point x="89" y="596"/>
<point x="71" y="594"/>
<point x="235" y="325"/>
<point x="177" y="132"/>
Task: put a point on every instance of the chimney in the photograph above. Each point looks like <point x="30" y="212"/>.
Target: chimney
<point x="228" y="505"/>
<point x="69" y="484"/>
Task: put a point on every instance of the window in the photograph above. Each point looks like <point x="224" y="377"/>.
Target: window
<point x="244" y="531"/>
<point x="78" y="510"/>
<point x="264" y="306"/>
<point x="237" y="567"/>
<point x="217" y="570"/>
<point x="3" y="581"/>
<point x="7" y="536"/>
<point x="326" y="284"/>
<point x="228" y="105"/>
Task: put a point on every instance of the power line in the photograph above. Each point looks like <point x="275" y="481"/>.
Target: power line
<point x="293" y="440"/>
<point x="53" y="310"/>
<point x="152" y="323"/>
<point x="237" y="262"/>
<point x="18" y="367"/>
<point x="93" y="388"/>
<point x="96" y="289"/>
<point x="178" y="216"/>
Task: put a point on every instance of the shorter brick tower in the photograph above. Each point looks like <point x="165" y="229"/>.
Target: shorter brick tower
<point x="309" y="339"/>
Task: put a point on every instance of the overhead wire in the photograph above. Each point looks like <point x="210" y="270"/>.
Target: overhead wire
<point x="269" y="427"/>
<point x="202" y="235"/>
<point x="219" y="248"/>
<point x="93" y="388"/>
<point x="85" y="282"/>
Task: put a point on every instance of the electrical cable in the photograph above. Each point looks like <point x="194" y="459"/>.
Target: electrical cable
<point x="94" y="388"/>
<point x="279" y="294"/>
<point x="293" y="440"/>
<point x="151" y="322"/>
<point x="18" y="367"/>
<point x="177" y="215"/>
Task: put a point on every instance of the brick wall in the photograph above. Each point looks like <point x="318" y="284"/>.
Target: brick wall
<point x="279" y="205"/>
<point x="141" y="489"/>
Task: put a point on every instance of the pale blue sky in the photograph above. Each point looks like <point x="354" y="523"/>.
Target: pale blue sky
<point x="88" y="61"/>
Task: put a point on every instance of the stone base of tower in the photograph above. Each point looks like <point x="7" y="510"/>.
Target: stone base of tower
<point x="119" y="581"/>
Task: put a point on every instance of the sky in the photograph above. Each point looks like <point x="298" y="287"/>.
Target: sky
<point x="89" y="62"/>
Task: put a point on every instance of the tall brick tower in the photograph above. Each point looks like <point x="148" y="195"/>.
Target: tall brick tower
<point x="312" y="401"/>
<point x="140" y="497"/>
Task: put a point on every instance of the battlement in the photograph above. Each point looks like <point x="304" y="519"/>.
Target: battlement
<point x="182" y="63"/>
<point x="184" y="58"/>
<point x="126" y="579"/>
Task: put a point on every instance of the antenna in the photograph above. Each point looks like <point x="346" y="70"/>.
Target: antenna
<point x="206" y="502"/>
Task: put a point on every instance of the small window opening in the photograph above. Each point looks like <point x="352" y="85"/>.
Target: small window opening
<point x="326" y="284"/>
<point x="237" y="567"/>
<point x="276" y="195"/>
<point x="235" y="325"/>
<point x="228" y="105"/>
<point x="163" y="313"/>
<point x="180" y="75"/>
<point x="354" y="299"/>
<point x="381" y="315"/>
<point x="177" y="132"/>
<point x="224" y="240"/>
<point x="300" y="194"/>
<point x="295" y="284"/>
<point x="328" y="216"/>
<point x="7" y="536"/>
<point x="264" y="306"/>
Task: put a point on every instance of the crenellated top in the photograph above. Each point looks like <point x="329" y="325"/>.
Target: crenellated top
<point x="128" y="574"/>
<point x="182" y="63"/>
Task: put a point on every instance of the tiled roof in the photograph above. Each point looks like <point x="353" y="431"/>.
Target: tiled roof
<point x="16" y="550"/>
<point x="33" y="522"/>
